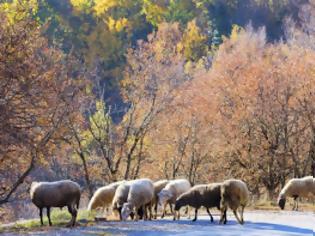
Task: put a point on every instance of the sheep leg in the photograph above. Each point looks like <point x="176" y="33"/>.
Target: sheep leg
<point x="223" y="215"/>
<point x="137" y="215"/>
<point x="196" y="213"/>
<point x="174" y="213"/>
<point x="145" y="215"/>
<point x="294" y="206"/>
<point x="120" y="217"/>
<point x="164" y="211"/>
<point x="73" y="213"/>
<point x="48" y="216"/>
<point x="41" y="216"/>
<point x="242" y="213"/>
<point x="237" y="217"/>
<point x="155" y="210"/>
<point x="132" y="216"/>
<point x="150" y="211"/>
<point x="70" y="211"/>
<point x="170" y="204"/>
<point x="187" y="212"/>
<point x="225" y="220"/>
<point x="295" y="203"/>
<point x="211" y="217"/>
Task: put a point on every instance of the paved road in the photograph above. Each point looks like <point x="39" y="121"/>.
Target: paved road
<point x="257" y="223"/>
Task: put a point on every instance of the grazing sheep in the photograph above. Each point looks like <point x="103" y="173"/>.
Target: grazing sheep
<point x="56" y="194"/>
<point x="103" y="196"/>
<point x="158" y="186"/>
<point x="140" y="195"/>
<point x="171" y="192"/>
<point x="234" y="194"/>
<point x="206" y="195"/>
<point x="295" y="188"/>
<point x="121" y="196"/>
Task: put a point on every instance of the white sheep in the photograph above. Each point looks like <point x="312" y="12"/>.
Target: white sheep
<point x="121" y="196"/>
<point x="295" y="188"/>
<point x="158" y="186"/>
<point x="140" y="195"/>
<point x="56" y="194"/>
<point x="235" y="195"/>
<point x="171" y="192"/>
<point x="103" y="196"/>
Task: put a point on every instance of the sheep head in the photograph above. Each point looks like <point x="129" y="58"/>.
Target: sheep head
<point x="178" y="205"/>
<point x="126" y="210"/>
<point x="163" y="197"/>
<point x="281" y="202"/>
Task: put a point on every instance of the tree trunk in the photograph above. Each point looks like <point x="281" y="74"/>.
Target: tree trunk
<point x="86" y="173"/>
<point x="312" y="156"/>
<point x="20" y="180"/>
<point x="271" y="193"/>
<point x="129" y="155"/>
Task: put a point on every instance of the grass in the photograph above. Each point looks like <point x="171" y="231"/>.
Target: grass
<point x="273" y="206"/>
<point x="59" y="218"/>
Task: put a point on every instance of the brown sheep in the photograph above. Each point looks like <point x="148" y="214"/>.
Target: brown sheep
<point x="56" y="194"/>
<point x="206" y="195"/>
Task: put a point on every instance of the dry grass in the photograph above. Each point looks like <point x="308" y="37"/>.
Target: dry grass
<point x="58" y="218"/>
<point x="272" y="205"/>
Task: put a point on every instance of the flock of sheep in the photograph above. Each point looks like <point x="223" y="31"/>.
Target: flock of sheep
<point x="136" y="198"/>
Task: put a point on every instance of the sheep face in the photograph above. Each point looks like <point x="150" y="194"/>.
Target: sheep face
<point x="178" y="205"/>
<point x="164" y="196"/>
<point x="126" y="211"/>
<point x="281" y="203"/>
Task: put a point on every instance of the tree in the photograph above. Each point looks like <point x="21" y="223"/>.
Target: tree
<point x="40" y="88"/>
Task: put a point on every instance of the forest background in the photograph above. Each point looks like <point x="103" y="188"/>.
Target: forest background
<point x="102" y="90"/>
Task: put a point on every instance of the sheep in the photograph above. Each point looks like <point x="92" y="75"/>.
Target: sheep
<point x="140" y="195"/>
<point x="158" y="186"/>
<point x="121" y="196"/>
<point x="170" y="193"/>
<point x="234" y="194"/>
<point x="295" y="188"/>
<point x="56" y="194"/>
<point x="206" y="195"/>
<point x="103" y="196"/>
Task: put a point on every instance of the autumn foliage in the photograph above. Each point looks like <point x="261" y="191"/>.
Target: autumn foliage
<point x="40" y="89"/>
<point x="190" y="105"/>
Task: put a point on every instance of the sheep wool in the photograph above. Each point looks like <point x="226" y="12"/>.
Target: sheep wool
<point x="234" y="194"/>
<point x="64" y="192"/>
<point x="140" y="194"/>
<point x="103" y="196"/>
<point x="171" y="192"/>
<point x="295" y="188"/>
<point x="206" y="195"/>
